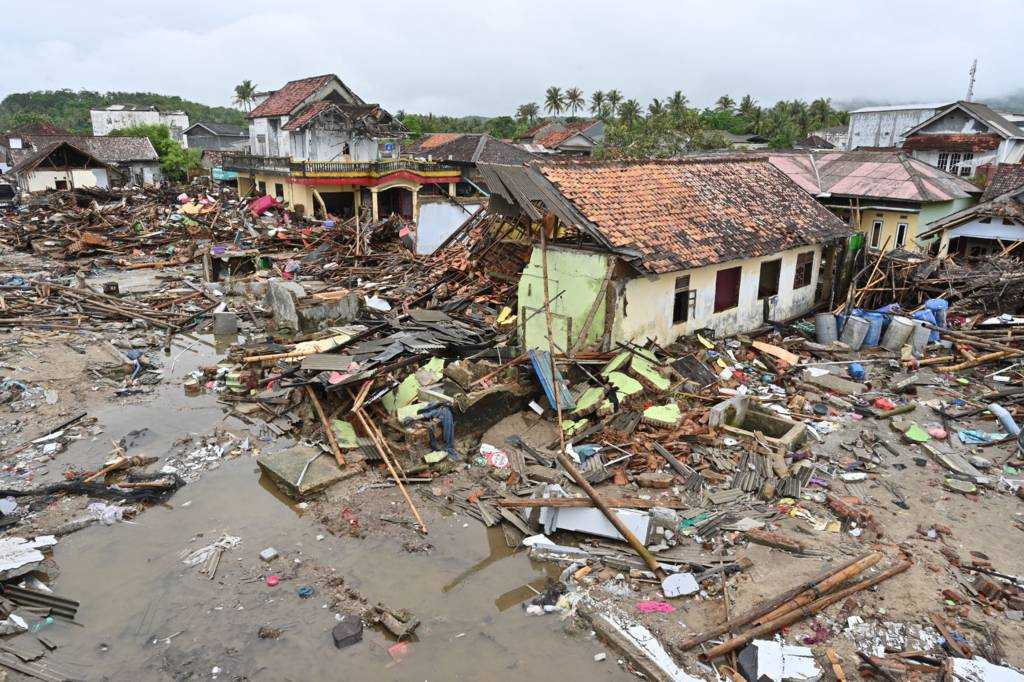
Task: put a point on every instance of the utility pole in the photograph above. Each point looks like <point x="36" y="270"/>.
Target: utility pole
<point x="970" y="86"/>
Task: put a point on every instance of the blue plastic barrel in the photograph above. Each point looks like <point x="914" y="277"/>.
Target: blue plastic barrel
<point x="938" y="308"/>
<point x="929" y="317"/>
<point x="876" y="322"/>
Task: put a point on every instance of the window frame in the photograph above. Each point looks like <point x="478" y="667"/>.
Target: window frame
<point x="803" y="273"/>
<point x="261" y="187"/>
<point x="761" y="294"/>
<point x="875" y="237"/>
<point x="279" y="197"/>
<point x="683" y="292"/>
<point x="903" y="227"/>
<point x="735" y="300"/>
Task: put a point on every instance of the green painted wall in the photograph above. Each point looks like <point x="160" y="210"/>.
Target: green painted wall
<point x="940" y="209"/>
<point x="577" y="276"/>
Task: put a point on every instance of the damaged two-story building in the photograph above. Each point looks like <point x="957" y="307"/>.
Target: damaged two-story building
<point x="318" y="146"/>
<point x="966" y="136"/>
<point x="659" y="249"/>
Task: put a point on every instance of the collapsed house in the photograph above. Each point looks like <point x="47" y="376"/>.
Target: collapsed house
<point x="995" y="226"/>
<point x="659" y="249"/>
<point x="134" y="158"/>
<point x="62" y="165"/>
<point x="575" y="138"/>
<point x="886" y="195"/>
<point x="319" y="147"/>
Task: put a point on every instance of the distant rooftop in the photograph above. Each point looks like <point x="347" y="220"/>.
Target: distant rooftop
<point x="902" y="107"/>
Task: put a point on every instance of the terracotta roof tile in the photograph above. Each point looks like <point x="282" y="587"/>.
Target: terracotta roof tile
<point x="282" y="102"/>
<point x="466" y="148"/>
<point x="685" y="214"/>
<point x="1007" y="177"/>
<point x="552" y="138"/>
<point x="954" y="142"/>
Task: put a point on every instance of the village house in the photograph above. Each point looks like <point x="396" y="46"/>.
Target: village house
<point x="135" y="158"/>
<point x="118" y="116"/>
<point x="886" y="195"/>
<point x="744" y="141"/>
<point x="994" y="226"/>
<point x="575" y="138"/>
<point x="659" y="249"/>
<point x="319" y="147"/>
<point x="465" y="151"/>
<point x="837" y="136"/>
<point x="61" y="165"/>
<point x="205" y="135"/>
<point x="885" y="126"/>
<point x="965" y="136"/>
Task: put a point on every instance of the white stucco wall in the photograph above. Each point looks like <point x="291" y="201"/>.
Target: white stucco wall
<point x="104" y="120"/>
<point x="40" y="180"/>
<point x="644" y="309"/>
<point x="994" y="229"/>
<point x="884" y="128"/>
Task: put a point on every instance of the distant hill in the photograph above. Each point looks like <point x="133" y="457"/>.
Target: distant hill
<point x="1013" y="101"/>
<point x="70" y="110"/>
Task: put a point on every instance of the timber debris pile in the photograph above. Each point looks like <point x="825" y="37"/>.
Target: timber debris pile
<point x="800" y="500"/>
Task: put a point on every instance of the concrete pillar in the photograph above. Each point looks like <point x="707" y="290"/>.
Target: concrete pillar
<point x="451" y="189"/>
<point x="373" y="198"/>
<point x="415" y="204"/>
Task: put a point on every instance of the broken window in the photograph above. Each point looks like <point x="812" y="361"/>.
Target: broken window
<point x="954" y="163"/>
<point x="60" y="184"/>
<point x="684" y="302"/>
<point x="965" y="164"/>
<point x="901" y="235"/>
<point x="262" y="187"/>
<point x="943" y="163"/>
<point x="279" y="191"/>
<point x="804" y="270"/>
<point x="768" y="282"/>
<point x="876" y="233"/>
<point x="727" y="288"/>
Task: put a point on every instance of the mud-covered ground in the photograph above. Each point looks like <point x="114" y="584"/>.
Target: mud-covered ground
<point x="145" y="615"/>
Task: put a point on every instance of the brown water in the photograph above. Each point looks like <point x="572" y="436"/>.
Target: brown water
<point x="135" y="592"/>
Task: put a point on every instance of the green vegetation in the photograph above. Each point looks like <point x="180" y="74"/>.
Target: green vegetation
<point x="69" y="109"/>
<point x="175" y="162"/>
<point x="245" y="94"/>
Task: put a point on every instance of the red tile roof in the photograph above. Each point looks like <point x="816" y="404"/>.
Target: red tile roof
<point x="282" y="102"/>
<point x="1007" y="177"/>
<point x="434" y="140"/>
<point x="695" y="212"/>
<point x="306" y="115"/>
<point x="551" y="139"/>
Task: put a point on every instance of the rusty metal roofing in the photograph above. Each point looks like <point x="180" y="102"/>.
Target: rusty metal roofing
<point x="284" y="101"/>
<point x="953" y="142"/>
<point x="468" y="148"/>
<point x="676" y="215"/>
<point x="884" y="174"/>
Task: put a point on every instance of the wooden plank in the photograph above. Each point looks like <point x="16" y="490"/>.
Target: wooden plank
<point x="776" y="352"/>
<point x="541" y="361"/>
<point x="564" y="502"/>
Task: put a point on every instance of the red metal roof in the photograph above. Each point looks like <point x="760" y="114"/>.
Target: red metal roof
<point x="283" y="101"/>
<point x="553" y="138"/>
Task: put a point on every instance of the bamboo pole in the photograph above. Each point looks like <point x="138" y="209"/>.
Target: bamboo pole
<point x="364" y="421"/>
<point x="822" y="588"/>
<point x="328" y="431"/>
<point x="800" y="613"/>
<point x="979" y="360"/>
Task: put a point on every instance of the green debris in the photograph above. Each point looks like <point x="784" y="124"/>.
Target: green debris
<point x="571" y="427"/>
<point x="409" y="390"/>
<point x="958" y="486"/>
<point x="647" y="372"/>
<point x="627" y="385"/>
<point x="345" y="434"/>
<point x="410" y="411"/>
<point x="616" y="363"/>
<point x="916" y="434"/>
<point x="588" y="402"/>
<point x="663" y="415"/>
<point x="694" y="520"/>
<point x="435" y="456"/>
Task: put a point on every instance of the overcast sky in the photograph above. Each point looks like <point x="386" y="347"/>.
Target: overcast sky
<point x="486" y="57"/>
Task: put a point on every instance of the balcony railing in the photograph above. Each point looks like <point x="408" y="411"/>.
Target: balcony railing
<point x="285" y="166"/>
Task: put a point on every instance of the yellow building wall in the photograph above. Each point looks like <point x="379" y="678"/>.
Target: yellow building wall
<point x="890" y="223"/>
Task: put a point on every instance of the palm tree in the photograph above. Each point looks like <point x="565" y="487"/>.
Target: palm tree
<point x="245" y="94"/>
<point x="574" y="100"/>
<point x="554" y="100"/>
<point x="747" y="106"/>
<point x="613" y="97"/>
<point x="725" y="103"/>
<point x="527" y="112"/>
<point x="655" y="108"/>
<point x="629" y="111"/>
<point x="597" y="103"/>
<point x="677" y="103"/>
<point x="755" y="122"/>
<point x="821" y="111"/>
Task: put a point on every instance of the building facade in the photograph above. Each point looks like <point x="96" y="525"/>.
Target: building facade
<point x="206" y="135"/>
<point x="885" y="126"/>
<point x="966" y="136"/>
<point x="119" y="116"/>
<point x="319" y="147"/>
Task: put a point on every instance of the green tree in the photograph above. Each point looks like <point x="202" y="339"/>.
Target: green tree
<point x="245" y="94"/>
<point x="527" y="113"/>
<point x="629" y="111"/>
<point x="574" y="100"/>
<point x="747" y="107"/>
<point x="502" y="127"/>
<point x="554" y="100"/>
<point x="597" y="103"/>
<point x="613" y="98"/>
<point x="677" y="104"/>
<point x="725" y="103"/>
<point x="655" y="108"/>
<point x="175" y="162"/>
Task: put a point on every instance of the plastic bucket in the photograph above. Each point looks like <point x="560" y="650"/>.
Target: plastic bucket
<point x="897" y="334"/>
<point x="919" y="339"/>
<point x="876" y="322"/>
<point x="929" y="317"/>
<point x="854" y="331"/>
<point x="825" y="329"/>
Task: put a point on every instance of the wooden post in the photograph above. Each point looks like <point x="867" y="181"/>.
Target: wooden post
<point x="328" y="431"/>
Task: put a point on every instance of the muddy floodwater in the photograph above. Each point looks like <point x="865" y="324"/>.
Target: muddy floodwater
<point x="145" y="615"/>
